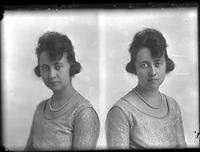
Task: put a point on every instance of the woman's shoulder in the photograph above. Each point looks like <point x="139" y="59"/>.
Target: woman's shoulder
<point x="122" y="110"/>
<point x="121" y="103"/>
<point x="127" y="100"/>
<point x="124" y="104"/>
<point x="40" y="106"/>
<point x="171" y="100"/>
<point x="42" y="103"/>
<point x="80" y="100"/>
<point x="172" y="103"/>
<point x="80" y="103"/>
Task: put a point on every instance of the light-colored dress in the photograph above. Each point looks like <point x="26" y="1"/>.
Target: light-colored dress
<point x="78" y="120"/>
<point x="127" y="127"/>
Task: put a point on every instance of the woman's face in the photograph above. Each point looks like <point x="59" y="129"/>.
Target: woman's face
<point x="150" y="71"/>
<point x="54" y="73"/>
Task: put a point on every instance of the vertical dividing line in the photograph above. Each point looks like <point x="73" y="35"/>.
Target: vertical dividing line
<point x="102" y="79"/>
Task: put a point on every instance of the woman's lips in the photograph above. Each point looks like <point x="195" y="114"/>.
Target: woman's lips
<point x="153" y="79"/>
<point x="53" y="82"/>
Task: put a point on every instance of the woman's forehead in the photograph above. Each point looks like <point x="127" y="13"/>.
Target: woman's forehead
<point x="45" y="58"/>
<point x="145" y="54"/>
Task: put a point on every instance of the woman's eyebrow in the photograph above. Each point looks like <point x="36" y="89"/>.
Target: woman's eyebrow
<point x="144" y="61"/>
<point x="44" y="64"/>
<point x="58" y="62"/>
<point x="158" y="59"/>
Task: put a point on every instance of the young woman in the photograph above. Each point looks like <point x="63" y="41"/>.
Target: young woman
<point x="66" y="120"/>
<point x="145" y="117"/>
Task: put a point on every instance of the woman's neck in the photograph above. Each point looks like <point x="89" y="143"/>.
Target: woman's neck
<point x="148" y="93"/>
<point x="63" y="94"/>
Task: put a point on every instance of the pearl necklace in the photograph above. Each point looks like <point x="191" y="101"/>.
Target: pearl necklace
<point x="58" y="109"/>
<point x="142" y="98"/>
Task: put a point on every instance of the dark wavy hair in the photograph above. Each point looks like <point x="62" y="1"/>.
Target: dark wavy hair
<point x="55" y="44"/>
<point x="155" y="41"/>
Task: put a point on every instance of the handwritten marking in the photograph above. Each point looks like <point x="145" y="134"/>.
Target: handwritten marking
<point x="198" y="134"/>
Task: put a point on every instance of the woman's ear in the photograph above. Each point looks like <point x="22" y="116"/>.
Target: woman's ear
<point x="130" y="67"/>
<point x="170" y="65"/>
<point x="37" y="71"/>
<point x="75" y="68"/>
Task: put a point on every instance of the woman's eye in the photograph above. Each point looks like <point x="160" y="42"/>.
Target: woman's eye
<point x="57" y="67"/>
<point x="158" y="64"/>
<point x="45" y="68"/>
<point x="144" y="65"/>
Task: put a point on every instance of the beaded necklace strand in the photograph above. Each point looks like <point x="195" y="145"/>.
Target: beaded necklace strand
<point x="58" y="109"/>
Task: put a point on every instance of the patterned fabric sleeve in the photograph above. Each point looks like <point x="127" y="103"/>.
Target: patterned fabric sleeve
<point x="117" y="129"/>
<point x="179" y="126"/>
<point x="86" y="129"/>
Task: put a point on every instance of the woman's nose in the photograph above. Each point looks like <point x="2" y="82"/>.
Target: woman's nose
<point x="52" y="73"/>
<point x="152" y="71"/>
